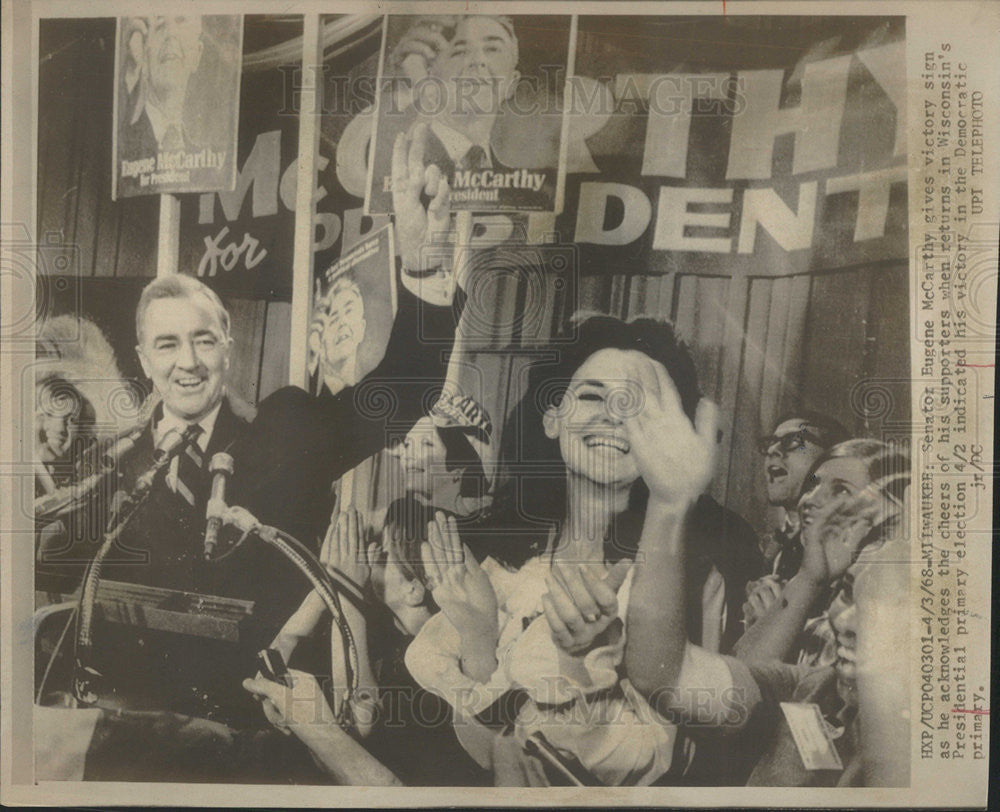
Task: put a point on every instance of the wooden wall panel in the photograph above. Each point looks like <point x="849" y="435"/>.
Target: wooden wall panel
<point x="247" y="327"/>
<point x="834" y="342"/>
<point x="273" y="372"/>
<point x="791" y="352"/>
<point x="76" y="74"/>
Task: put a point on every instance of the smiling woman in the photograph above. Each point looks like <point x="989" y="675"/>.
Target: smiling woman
<point x="568" y="428"/>
<point x="599" y="450"/>
<point x="848" y="468"/>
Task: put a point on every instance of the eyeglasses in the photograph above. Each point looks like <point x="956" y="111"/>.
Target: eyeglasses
<point x="793" y="441"/>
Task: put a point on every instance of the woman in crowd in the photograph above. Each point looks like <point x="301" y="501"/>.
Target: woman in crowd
<point x="65" y="419"/>
<point x="857" y="538"/>
<point x="544" y="642"/>
<point x="443" y="457"/>
<point x="81" y="398"/>
<point x="794" y="625"/>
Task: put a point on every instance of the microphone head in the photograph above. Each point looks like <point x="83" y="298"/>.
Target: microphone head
<point x="169" y="443"/>
<point x="221" y="462"/>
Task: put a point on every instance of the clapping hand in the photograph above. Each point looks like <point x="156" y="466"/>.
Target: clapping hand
<point x="581" y="603"/>
<point x="762" y="594"/>
<point x="458" y="584"/>
<point x="832" y="539"/>
<point x="674" y="458"/>
<point x="421" y="232"/>
<point x="344" y="552"/>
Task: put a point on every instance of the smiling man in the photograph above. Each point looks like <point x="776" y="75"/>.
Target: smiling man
<point x="789" y="453"/>
<point x="184" y="347"/>
<point x="169" y="50"/>
<point x="463" y="70"/>
<point x="462" y="80"/>
<point x="478" y="70"/>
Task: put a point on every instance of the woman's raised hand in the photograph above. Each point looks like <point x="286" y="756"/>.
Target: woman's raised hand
<point x="675" y="458"/>
<point x="458" y="584"/>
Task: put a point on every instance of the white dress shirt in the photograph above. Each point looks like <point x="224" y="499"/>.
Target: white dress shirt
<point x="457" y="144"/>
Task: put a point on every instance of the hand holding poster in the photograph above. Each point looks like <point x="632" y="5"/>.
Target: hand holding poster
<point x="489" y="88"/>
<point x="176" y="99"/>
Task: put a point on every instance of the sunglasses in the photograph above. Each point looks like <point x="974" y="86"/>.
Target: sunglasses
<point x="793" y="441"/>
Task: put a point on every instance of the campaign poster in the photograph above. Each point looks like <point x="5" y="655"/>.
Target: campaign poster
<point x="177" y="88"/>
<point x="488" y="89"/>
<point x="716" y="153"/>
<point x="354" y="303"/>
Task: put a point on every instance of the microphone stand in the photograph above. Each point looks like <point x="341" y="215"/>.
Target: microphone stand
<point x="322" y="582"/>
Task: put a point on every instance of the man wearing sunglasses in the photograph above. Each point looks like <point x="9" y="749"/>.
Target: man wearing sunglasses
<point x="789" y="453"/>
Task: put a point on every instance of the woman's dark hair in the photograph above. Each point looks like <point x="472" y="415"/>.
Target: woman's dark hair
<point x="460" y="455"/>
<point x="531" y="497"/>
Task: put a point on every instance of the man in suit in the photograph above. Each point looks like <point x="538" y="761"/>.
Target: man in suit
<point x="475" y="70"/>
<point x="790" y="452"/>
<point x="300" y="445"/>
<point x="464" y="75"/>
<point x="184" y="347"/>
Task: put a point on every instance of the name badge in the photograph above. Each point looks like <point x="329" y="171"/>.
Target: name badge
<point x="812" y="736"/>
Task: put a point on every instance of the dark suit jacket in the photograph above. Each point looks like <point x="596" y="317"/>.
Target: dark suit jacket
<point x="136" y="140"/>
<point x="516" y="141"/>
<point x="721" y="538"/>
<point x="299" y="445"/>
<point x="163" y="543"/>
<point x="163" y="546"/>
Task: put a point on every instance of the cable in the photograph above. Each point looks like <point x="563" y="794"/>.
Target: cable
<point x="325" y="585"/>
<point x="55" y="654"/>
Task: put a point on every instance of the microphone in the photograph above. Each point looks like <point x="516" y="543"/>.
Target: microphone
<point x="220" y="467"/>
<point x="119" y="447"/>
<point x="170" y="446"/>
<point x="241" y="518"/>
<point x="62" y="499"/>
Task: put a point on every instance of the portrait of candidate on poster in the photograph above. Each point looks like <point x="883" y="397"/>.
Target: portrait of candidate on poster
<point x="483" y="94"/>
<point x="177" y="89"/>
<point x="353" y="307"/>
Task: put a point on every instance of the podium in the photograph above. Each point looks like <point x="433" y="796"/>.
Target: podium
<point x="162" y="649"/>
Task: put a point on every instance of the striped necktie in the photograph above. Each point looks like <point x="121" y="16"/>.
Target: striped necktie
<point x="190" y="473"/>
<point x="475" y="158"/>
